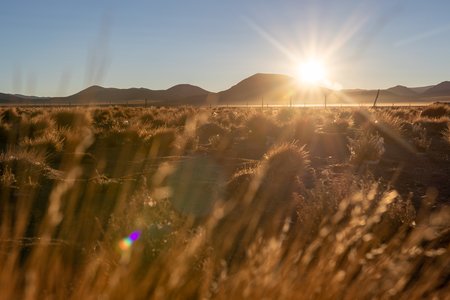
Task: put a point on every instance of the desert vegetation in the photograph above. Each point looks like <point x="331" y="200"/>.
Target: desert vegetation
<point x="224" y="203"/>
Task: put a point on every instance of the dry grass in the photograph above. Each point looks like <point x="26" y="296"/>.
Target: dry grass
<point x="366" y="148"/>
<point x="212" y="225"/>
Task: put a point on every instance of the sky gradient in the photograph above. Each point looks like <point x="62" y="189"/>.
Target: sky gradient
<point x="57" y="48"/>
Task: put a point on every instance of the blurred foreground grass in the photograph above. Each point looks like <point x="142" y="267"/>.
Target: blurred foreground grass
<point x="224" y="203"/>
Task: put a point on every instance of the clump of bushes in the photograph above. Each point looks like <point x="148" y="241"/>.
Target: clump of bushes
<point x="50" y="145"/>
<point x="261" y="127"/>
<point x="338" y="125"/>
<point x="28" y="166"/>
<point x="71" y="118"/>
<point x="366" y="148"/>
<point x="39" y="125"/>
<point x="434" y="127"/>
<point x="361" y="116"/>
<point x="103" y="119"/>
<point x="275" y="181"/>
<point x="10" y="116"/>
<point x="386" y="124"/>
<point x="436" y="111"/>
<point x="207" y="130"/>
<point x="420" y="138"/>
<point x="302" y="128"/>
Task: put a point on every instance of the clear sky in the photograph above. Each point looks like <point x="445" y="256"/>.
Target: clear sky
<point x="53" y="47"/>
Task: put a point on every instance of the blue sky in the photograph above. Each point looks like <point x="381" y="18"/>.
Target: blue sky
<point x="51" y="47"/>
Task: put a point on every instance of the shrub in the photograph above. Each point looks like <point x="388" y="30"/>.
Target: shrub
<point x="302" y="128"/>
<point x="434" y="127"/>
<point x="387" y="125"/>
<point x="276" y="180"/>
<point x="10" y="116"/>
<point x="103" y="118"/>
<point x="28" y="166"/>
<point x="39" y="125"/>
<point x="71" y="118"/>
<point x="361" y="116"/>
<point x="261" y="127"/>
<point x="286" y="161"/>
<point x="132" y="136"/>
<point x="366" y="148"/>
<point x="339" y="125"/>
<point x="208" y="130"/>
<point x="420" y="138"/>
<point x="436" y="111"/>
<point x="50" y="145"/>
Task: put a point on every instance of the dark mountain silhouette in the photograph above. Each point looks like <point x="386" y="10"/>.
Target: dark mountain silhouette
<point x="259" y="88"/>
<point x="269" y="89"/>
<point x="421" y="89"/>
<point x="401" y="90"/>
<point x="186" y="90"/>
<point x="98" y="94"/>
<point x="19" y="99"/>
<point x="441" y="89"/>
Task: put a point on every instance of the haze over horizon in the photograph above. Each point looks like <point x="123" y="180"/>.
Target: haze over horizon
<point x="51" y="48"/>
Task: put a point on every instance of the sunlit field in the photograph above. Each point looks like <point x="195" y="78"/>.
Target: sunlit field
<point x="225" y="203"/>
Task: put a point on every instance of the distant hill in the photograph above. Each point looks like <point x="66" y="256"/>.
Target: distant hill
<point x="254" y="88"/>
<point x="186" y="90"/>
<point x="421" y="89"/>
<point x="98" y="94"/>
<point x="259" y="88"/>
<point x="270" y="89"/>
<point x="401" y="90"/>
<point x="441" y="89"/>
<point x="20" y="99"/>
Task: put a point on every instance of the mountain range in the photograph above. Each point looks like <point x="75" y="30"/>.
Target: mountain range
<point x="256" y="89"/>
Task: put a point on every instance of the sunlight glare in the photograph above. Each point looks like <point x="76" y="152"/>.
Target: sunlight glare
<point x="312" y="72"/>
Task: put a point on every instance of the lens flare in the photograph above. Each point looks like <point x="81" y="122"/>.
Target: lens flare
<point x="127" y="242"/>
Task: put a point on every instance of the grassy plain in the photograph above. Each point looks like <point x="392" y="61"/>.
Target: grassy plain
<point x="225" y="203"/>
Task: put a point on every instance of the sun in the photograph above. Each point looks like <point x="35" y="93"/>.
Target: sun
<point x="312" y="71"/>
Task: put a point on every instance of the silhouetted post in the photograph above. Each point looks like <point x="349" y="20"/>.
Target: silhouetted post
<point x="262" y="103"/>
<point x="325" y="99"/>
<point x="376" y="98"/>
